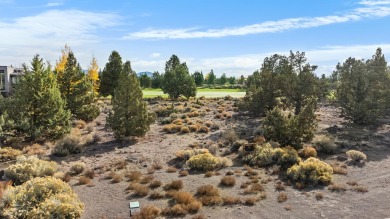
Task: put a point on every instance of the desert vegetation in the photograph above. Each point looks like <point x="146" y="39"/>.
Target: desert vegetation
<point x="96" y="139"/>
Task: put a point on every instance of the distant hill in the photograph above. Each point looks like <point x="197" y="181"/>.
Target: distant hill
<point x="148" y="73"/>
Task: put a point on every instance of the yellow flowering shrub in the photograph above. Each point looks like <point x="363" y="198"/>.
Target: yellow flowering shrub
<point x="188" y="153"/>
<point x="27" y="168"/>
<point x="311" y="171"/>
<point x="262" y="156"/>
<point x="205" y="162"/>
<point x="41" y="198"/>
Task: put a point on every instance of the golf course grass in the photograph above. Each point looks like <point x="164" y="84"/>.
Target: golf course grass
<point x="206" y="92"/>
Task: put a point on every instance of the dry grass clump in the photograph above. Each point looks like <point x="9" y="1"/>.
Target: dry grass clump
<point x="116" y="178"/>
<point x="230" y="136"/>
<point x="307" y="152"/>
<point x="209" y="195"/>
<point x="203" y="129"/>
<point x="70" y="144"/>
<point x="361" y="188"/>
<point x="208" y="124"/>
<point x="150" y="171"/>
<point x="282" y="197"/>
<point x="157" y="166"/>
<point x="337" y="187"/>
<point x="229" y="173"/>
<point x="231" y="200"/>
<point x="228" y="181"/>
<point x="175" y="211"/>
<point x="172" y="128"/>
<point x="89" y="173"/>
<point x="356" y="156"/>
<point x="279" y="186"/>
<point x="193" y="128"/>
<point x="155" y="184"/>
<point x="185" y="130"/>
<point x="35" y="149"/>
<point x="148" y="212"/>
<point x="324" y="144"/>
<point x="146" y="179"/>
<point x="250" y="201"/>
<point x="254" y="189"/>
<point x="120" y="164"/>
<point x="337" y="169"/>
<point x="67" y="177"/>
<point x="8" y="153"/>
<point x="172" y="170"/>
<point x="77" y="168"/>
<point x="80" y="124"/>
<point x="199" y="216"/>
<point x="83" y="180"/>
<point x="209" y="174"/>
<point x="174" y="185"/>
<point x="319" y="196"/>
<point x="3" y="186"/>
<point x="156" y="195"/>
<point x="352" y="183"/>
<point x="139" y="190"/>
<point x="183" y="173"/>
<point x="133" y="175"/>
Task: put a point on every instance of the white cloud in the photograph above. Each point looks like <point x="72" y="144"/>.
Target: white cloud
<point x="326" y="58"/>
<point x="54" y="4"/>
<point x="371" y="9"/>
<point x="46" y="33"/>
<point x="155" y="55"/>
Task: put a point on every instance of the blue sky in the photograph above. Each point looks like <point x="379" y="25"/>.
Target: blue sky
<point x="227" y="36"/>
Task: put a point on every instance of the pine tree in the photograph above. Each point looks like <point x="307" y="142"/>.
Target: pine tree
<point x="93" y="75"/>
<point x="110" y="74"/>
<point x="129" y="117"/>
<point x="40" y="105"/>
<point x="77" y="90"/>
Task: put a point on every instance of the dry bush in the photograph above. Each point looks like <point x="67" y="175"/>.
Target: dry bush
<point x="70" y="144"/>
<point x="209" y="195"/>
<point x="250" y="201"/>
<point x="116" y="178"/>
<point x="229" y="173"/>
<point x="199" y="216"/>
<point x="279" y="186"/>
<point x="7" y="154"/>
<point x="150" y="171"/>
<point x="203" y="129"/>
<point x="120" y="164"/>
<point x="80" y="124"/>
<point x="231" y="200"/>
<point x="352" y="183"/>
<point x="193" y="128"/>
<point x="172" y="128"/>
<point x="337" y="187"/>
<point x="27" y="168"/>
<point x="90" y="127"/>
<point x="146" y="179"/>
<point x="213" y="148"/>
<point x="208" y="124"/>
<point x="182" y="197"/>
<point x="319" y="196"/>
<point x="140" y="190"/>
<point x="175" y="211"/>
<point x="282" y="197"/>
<point x="89" y="173"/>
<point x="324" y="144"/>
<point x="228" y="181"/>
<point x="155" y="184"/>
<point x="254" y="189"/>
<point x="185" y="130"/>
<point x="288" y="207"/>
<point x="77" y="167"/>
<point x="41" y="197"/>
<point x="209" y="174"/>
<point x="311" y="171"/>
<point x="156" y="195"/>
<point x="133" y="175"/>
<point x="225" y="162"/>
<point x="356" y="156"/>
<point x="307" y="152"/>
<point x="4" y="186"/>
<point x="67" y="177"/>
<point x="174" y="185"/>
<point x="148" y="212"/>
<point x="360" y="188"/>
<point x="230" y="135"/>
<point x="157" y="166"/>
<point x="35" y="149"/>
<point x="83" y="180"/>
<point x="183" y="173"/>
<point x="338" y="169"/>
<point x="171" y="170"/>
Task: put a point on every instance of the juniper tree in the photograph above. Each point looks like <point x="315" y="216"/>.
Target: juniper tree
<point x="129" y="116"/>
<point x="110" y="74"/>
<point x="42" y="112"/>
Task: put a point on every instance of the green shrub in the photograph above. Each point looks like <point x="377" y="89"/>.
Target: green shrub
<point x="8" y="153"/>
<point x="27" y="168"/>
<point x="292" y="129"/>
<point x="88" y="112"/>
<point x="70" y="144"/>
<point x="286" y="157"/>
<point x="41" y="198"/>
<point x="262" y="156"/>
<point x="204" y="162"/>
<point x="311" y="171"/>
<point x="356" y="155"/>
<point x="324" y="144"/>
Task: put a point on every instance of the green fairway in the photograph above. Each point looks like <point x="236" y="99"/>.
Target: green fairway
<point x="207" y="92"/>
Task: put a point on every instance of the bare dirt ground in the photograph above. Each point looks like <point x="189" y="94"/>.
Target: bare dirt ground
<point x="105" y="199"/>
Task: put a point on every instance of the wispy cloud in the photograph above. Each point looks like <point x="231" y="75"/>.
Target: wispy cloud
<point x="371" y="9"/>
<point x="155" y="55"/>
<point x="49" y="31"/>
<point x="54" y="4"/>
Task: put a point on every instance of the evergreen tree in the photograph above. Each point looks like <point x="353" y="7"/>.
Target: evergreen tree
<point x="110" y="74"/>
<point x="241" y="80"/>
<point x="177" y="81"/>
<point x="198" y="78"/>
<point x="232" y="80"/>
<point x="223" y="79"/>
<point x="210" y="77"/>
<point x="129" y="117"/>
<point x="156" y="80"/>
<point x="41" y="108"/>
<point x="145" y="81"/>
<point x="77" y="90"/>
